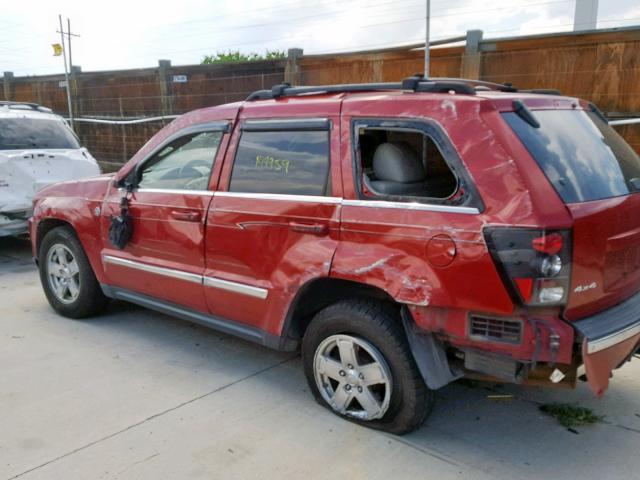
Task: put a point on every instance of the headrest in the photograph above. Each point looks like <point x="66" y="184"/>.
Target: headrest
<point x="397" y="162"/>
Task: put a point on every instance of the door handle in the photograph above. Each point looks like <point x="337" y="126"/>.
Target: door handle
<point x="313" y="228"/>
<point x="188" y="216"/>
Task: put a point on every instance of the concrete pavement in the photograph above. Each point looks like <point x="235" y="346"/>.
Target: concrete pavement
<point x="137" y="395"/>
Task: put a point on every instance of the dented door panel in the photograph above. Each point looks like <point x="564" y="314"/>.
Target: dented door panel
<point x="271" y="243"/>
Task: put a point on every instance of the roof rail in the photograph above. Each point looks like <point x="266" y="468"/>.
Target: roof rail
<point x="501" y="87"/>
<point x="32" y="106"/>
<point x="415" y="83"/>
<point x="542" y="91"/>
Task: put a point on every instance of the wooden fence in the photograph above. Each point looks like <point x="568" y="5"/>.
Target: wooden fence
<point x="601" y="66"/>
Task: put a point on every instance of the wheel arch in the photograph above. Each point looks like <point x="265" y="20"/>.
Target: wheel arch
<point x="319" y="293"/>
<point x="44" y="226"/>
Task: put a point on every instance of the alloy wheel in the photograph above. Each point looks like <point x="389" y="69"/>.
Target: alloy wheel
<point x="63" y="273"/>
<point x="353" y="377"/>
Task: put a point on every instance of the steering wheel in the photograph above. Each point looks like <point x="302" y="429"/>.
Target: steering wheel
<point x="190" y="166"/>
<point x="195" y="180"/>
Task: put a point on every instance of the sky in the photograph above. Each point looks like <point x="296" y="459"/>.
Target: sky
<point x="131" y="34"/>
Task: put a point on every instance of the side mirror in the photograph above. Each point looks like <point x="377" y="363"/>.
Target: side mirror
<point x="129" y="182"/>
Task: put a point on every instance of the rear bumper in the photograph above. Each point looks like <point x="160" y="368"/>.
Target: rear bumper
<point x="611" y="327"/>
<point x="609" y="339"/>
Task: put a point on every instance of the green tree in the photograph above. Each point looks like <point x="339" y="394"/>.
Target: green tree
<point x="237" y="56"/>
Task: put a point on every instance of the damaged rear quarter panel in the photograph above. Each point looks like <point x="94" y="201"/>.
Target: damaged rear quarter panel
<point x="392" y="255"/>
<point x="387" y="247"/>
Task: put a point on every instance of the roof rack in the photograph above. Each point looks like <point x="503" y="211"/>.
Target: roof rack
<point x="32" y="106"/>
<point x="415" y="83"/>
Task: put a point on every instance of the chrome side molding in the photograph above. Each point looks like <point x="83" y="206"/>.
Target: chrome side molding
<point x="352" y="203"/>
<point x="236" y="287"/>
<point x="281" y="196"/>
<point x="212" y="282"/>
<point x="424" y="207"/>
<point x="145" y="267"/>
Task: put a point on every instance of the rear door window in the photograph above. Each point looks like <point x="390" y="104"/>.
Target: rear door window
<point x="35" y="133"/>
<point x="283" y="162"/>
<point x="582" y="156"/>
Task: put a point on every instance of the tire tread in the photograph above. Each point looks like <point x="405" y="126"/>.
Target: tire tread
<point x="384" y="319"/>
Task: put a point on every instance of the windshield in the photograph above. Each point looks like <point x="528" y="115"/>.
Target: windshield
<point x="28" y="133"/>
<point x="582" y="156"/>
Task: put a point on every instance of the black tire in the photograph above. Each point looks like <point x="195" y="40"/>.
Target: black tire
<point x="380" y="325"/>
<point x="89" y="300"/>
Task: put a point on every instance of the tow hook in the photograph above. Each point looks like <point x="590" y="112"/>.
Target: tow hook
<point x="554" y="346"/>
<point x="554" y="341"/>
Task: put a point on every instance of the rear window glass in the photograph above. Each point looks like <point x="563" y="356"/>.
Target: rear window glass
<point x="28" y="133"/>
<point x="285" y="162"/>
<point x="582" y="156"/>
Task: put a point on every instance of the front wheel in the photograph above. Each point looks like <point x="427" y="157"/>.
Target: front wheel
<point x="359" y="365"/>
<point x="67" y="278"/>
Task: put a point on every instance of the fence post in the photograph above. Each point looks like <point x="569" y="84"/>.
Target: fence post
<point x="75" y="97"/>
<point x="292" y="72"/>
<point x="163" y="67"/>
<point x="7" y="85"/>
<point x="471" y="58"/>
<point x="123" y="132"/>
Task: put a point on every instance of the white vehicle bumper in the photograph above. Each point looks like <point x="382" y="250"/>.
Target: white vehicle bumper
<point x="14" y="223"/>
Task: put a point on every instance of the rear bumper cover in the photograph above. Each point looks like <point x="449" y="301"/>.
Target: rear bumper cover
<point x="609" y="339"/>
<point x="611" y="327"/>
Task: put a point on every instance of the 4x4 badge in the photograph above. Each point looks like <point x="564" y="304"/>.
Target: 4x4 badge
<point x="584" y="288"/>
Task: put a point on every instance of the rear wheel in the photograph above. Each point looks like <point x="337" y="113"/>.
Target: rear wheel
<point x="67" y="277"/>
<point x="359" y="365"/>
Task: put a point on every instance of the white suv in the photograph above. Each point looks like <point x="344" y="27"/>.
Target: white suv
<point x="37" y="148"/>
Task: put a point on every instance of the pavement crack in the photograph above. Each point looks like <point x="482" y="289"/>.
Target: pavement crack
<point x="138" y="463"/>
<point x="154" y="416"/>
<point x="424" y="450"/>
<point x="623" y="427"/>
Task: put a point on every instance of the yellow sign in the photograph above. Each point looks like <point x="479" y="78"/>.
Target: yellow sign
<point x="57" y="49"/>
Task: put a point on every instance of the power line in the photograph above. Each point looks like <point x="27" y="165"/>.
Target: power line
<point x="384" y="13"/>
<point x="404" y="20"/>
<point x="364" y="46"/>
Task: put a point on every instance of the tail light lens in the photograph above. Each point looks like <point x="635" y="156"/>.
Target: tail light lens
<point x="535" y="264"/>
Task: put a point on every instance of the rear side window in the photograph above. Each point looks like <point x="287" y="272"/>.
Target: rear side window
<point x="403" y="164"/>
<point x="30" y="133"/>
<point x="284" y="162"/>
<point x="582" y="156"/>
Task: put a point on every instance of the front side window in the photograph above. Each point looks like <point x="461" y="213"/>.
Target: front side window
<point x="184" y="164"/>
<point x="283" y="162"/>
<point x="401" y="164"/>
<point x="35" y="133"/>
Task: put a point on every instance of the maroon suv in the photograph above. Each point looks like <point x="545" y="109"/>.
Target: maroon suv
<point x="403" y="234"/>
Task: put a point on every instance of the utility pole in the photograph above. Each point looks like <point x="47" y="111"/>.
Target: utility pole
<point x="586" y="15"/>
<point x="66" y="69"/>
<point x="426" y="41"/>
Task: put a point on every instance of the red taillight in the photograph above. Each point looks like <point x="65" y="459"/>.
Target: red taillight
<point x="534" y="264"/>
<point x="549" y="244"/>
